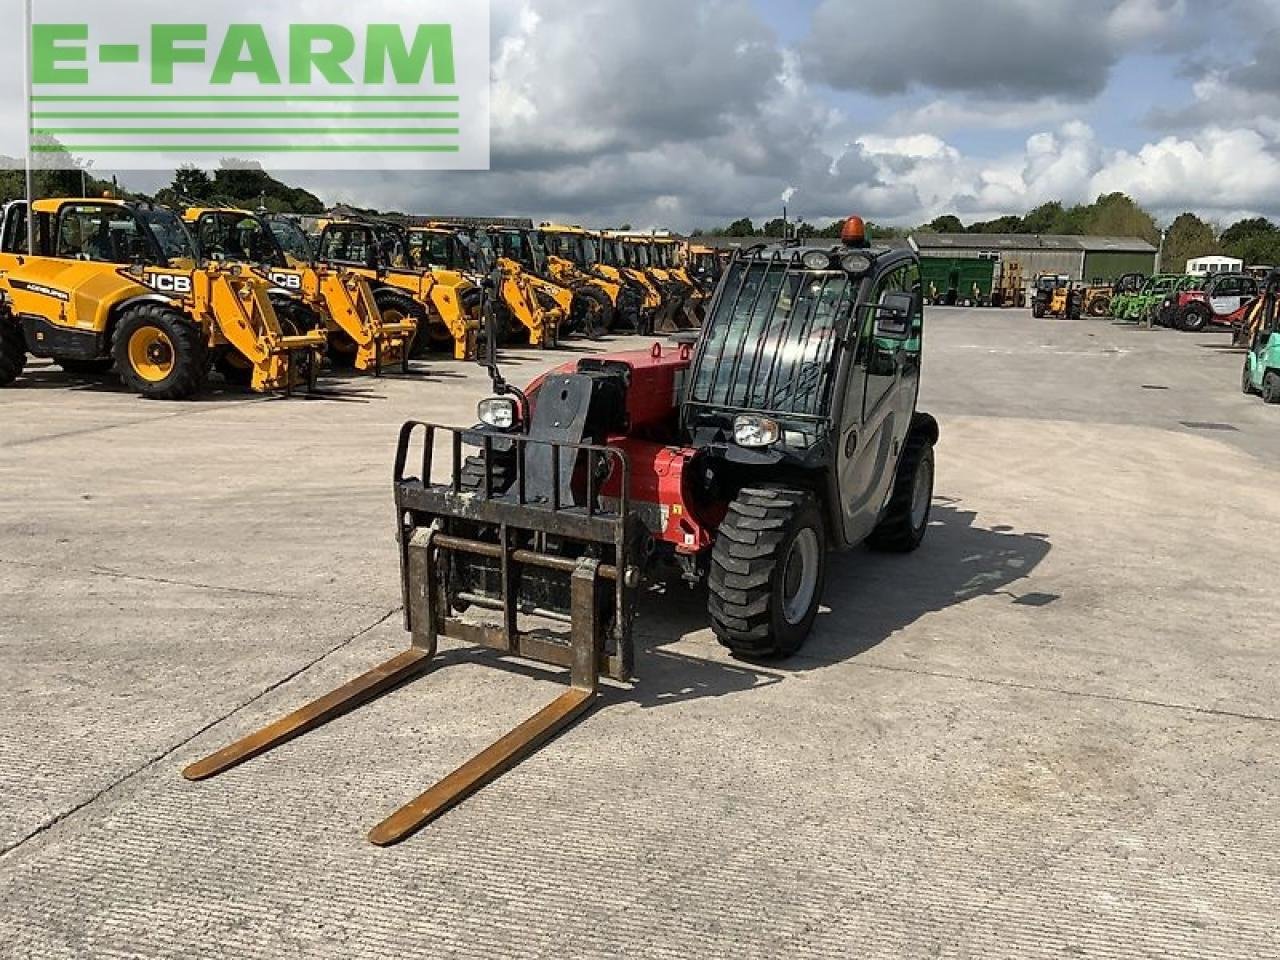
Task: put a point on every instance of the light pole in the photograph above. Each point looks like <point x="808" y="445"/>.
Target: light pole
<point x="28" y="18"/>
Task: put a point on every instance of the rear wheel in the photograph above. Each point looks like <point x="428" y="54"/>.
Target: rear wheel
<point x="906" y="520"/>
<point x="160" y="353"/>
<point x="1271" y="387"/>
<point x="1037" y="311"/>
<point x="1098" y="307"/>
<point x="768" y="567"/>
<point x="86" y="368"/>
<point x="13" y="350"/>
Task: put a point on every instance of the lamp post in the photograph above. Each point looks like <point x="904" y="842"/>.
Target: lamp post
<point x="28" y="18"/>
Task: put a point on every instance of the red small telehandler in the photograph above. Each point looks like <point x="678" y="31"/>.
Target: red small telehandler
<point x="786" y="429"/>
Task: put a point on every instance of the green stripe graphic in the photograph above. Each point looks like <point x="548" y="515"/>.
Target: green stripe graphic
<point x="242" y="131"/>
<point x="236" y="115"/>
<point x="288" y="98"/>
<point x="247" y="148"/>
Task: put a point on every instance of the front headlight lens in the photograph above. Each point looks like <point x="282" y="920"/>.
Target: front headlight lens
<point x="816" y="260"/>
<point x="498" y="412"/>
<point x="856" y="263"/>
<point x="754" y="431"/>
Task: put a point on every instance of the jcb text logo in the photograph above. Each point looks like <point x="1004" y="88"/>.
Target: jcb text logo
<point x="289" y="281"/>
<point x="168" y="283"/>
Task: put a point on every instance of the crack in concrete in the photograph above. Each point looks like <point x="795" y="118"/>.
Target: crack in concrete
<point x="1062" y="692"/>
<point x="169" y="751"/>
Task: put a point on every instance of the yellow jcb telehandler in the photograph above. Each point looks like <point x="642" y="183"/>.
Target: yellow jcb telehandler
<point x="278" y="251"/>
<point x="444" y="304"/>
<point x="616" y="266"/>
<point x="572" y="257"/>
<point x="123" y="284"/>
<point x="526" y="307"/>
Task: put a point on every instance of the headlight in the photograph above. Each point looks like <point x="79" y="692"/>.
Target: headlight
<point x="856" y="263"/>
<point x="498" y="412"/>
<point x="753" y="431"/>
<point x="816" y="260"/>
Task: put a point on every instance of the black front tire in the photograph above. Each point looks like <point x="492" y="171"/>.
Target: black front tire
<point x="1246" y="382"/>
<point x="761" y="604"/>
<point x="13" y="350"/>
<point x="184" y="343"/>
<point x="1193" y="320"/>
<point x="594" y="311"/>
<point x="394" y="305"/>
<point x="906" y="520"/>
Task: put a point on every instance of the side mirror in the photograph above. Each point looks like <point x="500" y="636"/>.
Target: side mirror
<point x="893" y="316"/>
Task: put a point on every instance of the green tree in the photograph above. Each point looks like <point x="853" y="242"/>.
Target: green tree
<point x="1256" y="241"/>
<point x="741" y="228"/>
<point x="1188" y="237"/>
<point x="1046" y="218"/>
<point x="1117" y="215"/>
<point x="193" y="183"/>
<point x="947" y="223"/>
<point x="776" y="227"/>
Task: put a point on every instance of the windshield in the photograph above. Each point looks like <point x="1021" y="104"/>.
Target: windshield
<point x="771" y="340"/>
<point x="239" y="237"/>
<point x="432" y="248"/>
<point x="169" y="233"/>
<point x="590" y="254"/>
<point x="291" y="239"/>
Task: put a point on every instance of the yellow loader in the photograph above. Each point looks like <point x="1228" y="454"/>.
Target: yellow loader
<point x="123" y="284"/>
<point x="444" y="304"/>
<point x="278" y="251"/>
<point x="527" y="307"/>
<point x="616" y="264"/>
<point x="573" y="254"/>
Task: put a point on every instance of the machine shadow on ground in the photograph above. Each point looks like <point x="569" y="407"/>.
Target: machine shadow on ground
<point x="868" y="598"/>
<point x="333" y="387"/>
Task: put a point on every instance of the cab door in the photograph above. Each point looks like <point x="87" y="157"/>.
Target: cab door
<point x="875" y="418"/>
<point x="1227" y="295"/>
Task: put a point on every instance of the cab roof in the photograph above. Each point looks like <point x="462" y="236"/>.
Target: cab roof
<point x="54" y="204"/>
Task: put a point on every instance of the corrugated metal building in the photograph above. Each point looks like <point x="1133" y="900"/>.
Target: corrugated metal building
<point x="1080" y="258"/>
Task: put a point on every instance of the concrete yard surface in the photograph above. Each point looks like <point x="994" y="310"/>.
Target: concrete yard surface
<point x="1052" y="732"/>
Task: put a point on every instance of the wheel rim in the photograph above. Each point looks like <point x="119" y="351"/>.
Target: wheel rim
<point x="151" y="354"/>
<point x="922" y="495"/>
<point x="800" y="576"/>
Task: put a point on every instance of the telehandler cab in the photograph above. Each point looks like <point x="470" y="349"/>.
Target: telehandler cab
<point x="277" y="250"/>
<point x="789" y="429"/>
<point x="1055" y="297"/>
<point x="443" y="304"/>
<point x="123" y="284"/>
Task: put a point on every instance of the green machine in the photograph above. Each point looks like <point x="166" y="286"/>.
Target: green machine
<point x="1135" y="307"/>
<point x="957" y="281"/>
<point x="1261" y="374"/>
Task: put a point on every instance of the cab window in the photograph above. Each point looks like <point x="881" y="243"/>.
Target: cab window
<point x="102" y="234"/>
<point x="347" y="245"/>
<point x="879" y="358"/>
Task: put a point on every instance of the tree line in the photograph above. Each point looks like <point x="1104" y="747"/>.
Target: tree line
<point x="1255" y="240"/>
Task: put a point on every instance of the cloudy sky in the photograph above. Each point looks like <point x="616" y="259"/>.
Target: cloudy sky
<point x="689" y="113"/>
